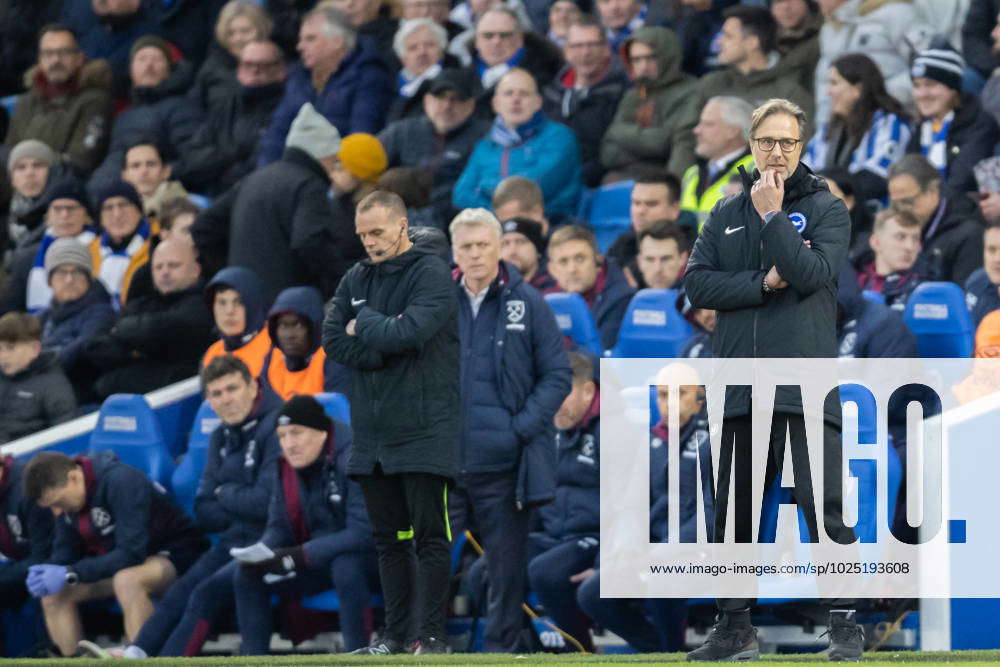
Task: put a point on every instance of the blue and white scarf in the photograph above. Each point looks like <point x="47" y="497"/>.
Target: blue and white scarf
<point x="934" y="145"/>
<point x="616" y="37"/>
<point x="115" y="263"/>
<point x="509" y="137"/>
<point x="490" y="75"/>
<point x="39" y="294"/>
<point x="408" y="85"/>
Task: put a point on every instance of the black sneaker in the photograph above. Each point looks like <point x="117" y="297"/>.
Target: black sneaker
<point x="732" y="640"/>
<point x="432" y="645"/>
<point x="381" y="646"/>
<point x="847" y="639"/>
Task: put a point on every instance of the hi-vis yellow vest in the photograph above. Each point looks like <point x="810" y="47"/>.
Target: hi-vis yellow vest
<point x="702" y="206"/>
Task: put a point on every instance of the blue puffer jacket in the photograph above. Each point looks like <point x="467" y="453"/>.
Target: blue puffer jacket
<point x="576" y="511"/>
<point x="355" y="98"/>
<point x="551" y="158"/>
<point x="67" y="327"/>
<point x="515" y="376"/>
<point x="695" y="445"/>
<point x="238" y="479"/>
<point x="866" y="329"/>
<point x="981" y="295"/>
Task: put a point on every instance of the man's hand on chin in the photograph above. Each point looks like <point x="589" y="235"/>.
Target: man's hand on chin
<point x="768" y="192"/>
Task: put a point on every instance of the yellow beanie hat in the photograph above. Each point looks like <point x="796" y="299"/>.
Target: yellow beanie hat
<point x="363" y="155"/>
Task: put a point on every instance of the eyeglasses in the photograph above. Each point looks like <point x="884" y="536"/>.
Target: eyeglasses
<point x="59" y="209"/>
<point x="57" y="53"/>
<point x="768" y="143"/>
<point x="586" y="45"/>
<point x="505" y="36"/>
<point x="116" y="206"/>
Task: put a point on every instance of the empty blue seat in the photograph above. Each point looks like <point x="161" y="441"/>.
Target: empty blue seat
<point x="576" y="321"/>
<point x="201" y="201"/>
<point x="9" y="103"/>
<point x="335" y="405"/>
<point x="652" y="326"/>
<point x="188" y="474"/>
<point x="607" y="212"/>
<point x="129" y="427"/>
<point x="872" y="295"/>
<point x="937" y="315"/>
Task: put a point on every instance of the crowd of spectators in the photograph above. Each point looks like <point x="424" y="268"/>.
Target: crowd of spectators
<point x="179" y="179"/>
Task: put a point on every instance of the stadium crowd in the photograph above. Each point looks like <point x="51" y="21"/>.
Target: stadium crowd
<point x="178" y="195"/>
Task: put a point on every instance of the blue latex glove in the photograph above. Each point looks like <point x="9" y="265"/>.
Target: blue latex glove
<point x="45" y="579"/>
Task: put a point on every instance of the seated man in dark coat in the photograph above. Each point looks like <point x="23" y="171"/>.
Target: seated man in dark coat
<point x="158" y="338"/>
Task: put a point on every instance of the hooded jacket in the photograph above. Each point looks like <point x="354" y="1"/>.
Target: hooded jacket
<point x="587" y="112"/>
<point x="313" y="373"/>
<point x="406" y="359"/>
<point x="67" y="327"/>
<point x="333" y="508"/>
<point x="734" y="252"/>
<point x="515" y="376"/>
<point x="756" y="88"/>
<point x="73" y="120"/>
<point x="160" y="113"/>
<point x="216" y="79"/>
<point x="36" y="398"/>
<point x="971" y="138"/>
<point x="254" y="343"/>
<point x="224" y="149"/>
<point x="131" y="518"/>
<point x="646" y="125"/>
<point x="866" y="329"/>
<point x="355" y="98"/>
<point x="238" y="479"/>
<point x="26" y="528"/>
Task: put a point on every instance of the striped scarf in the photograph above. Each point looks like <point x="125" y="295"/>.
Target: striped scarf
<point x="115" y="263"/>
<point x="617" y="37"/>
<point x="39" y="294"/>
<point x="408" y="85"/>
<point x="934" y="143"/>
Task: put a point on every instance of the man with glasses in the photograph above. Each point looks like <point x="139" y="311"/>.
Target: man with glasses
<point x="586" y="92"/>
<point x="767" y="261"/>
<point x="500" y="44"/>
<point x="69" y="103"/>
<point x="224" y="149"/>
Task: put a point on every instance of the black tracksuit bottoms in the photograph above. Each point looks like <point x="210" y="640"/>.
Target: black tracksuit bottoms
<point x="409" y="517"/>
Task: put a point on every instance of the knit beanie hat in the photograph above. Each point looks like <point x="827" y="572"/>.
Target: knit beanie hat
<point x="30" y="148"/>
<point x="117" y="188"/>
<point x="313" y="133"/>
<point x="69" y="188"/>
<point x="68" y="250"/>
<point x="154" y="41"/>
<point x="363" y="155"/>
<point x="306" y="411"/>
<point x="942" y="64"/>
<point x="530" y="229"/>
<point x="988" y="336"/>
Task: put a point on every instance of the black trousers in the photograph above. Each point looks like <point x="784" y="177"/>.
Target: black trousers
<point x="737" y="438"/>
<point x="409" y="517"/>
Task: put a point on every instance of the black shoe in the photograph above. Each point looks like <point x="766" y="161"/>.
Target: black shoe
<point x="733" y="639"/>
<point x="432" y="645"/>
<point x="383" y="646"/>
<point x="847" y="639"/>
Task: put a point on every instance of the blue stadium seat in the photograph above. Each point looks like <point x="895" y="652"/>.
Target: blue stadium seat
<point x="873" y="296"/>
<point x="937" y="315"/>
<point x="652" y="326"/>
<point x="188" y="474"/>
<point x="607" y="212"/>
<point x="129" y="427"/>
<point x="335" y="405"/>
<point x="576" y="321"/>
<point x="9" y="103"/>
<point x="201" y="201"/>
